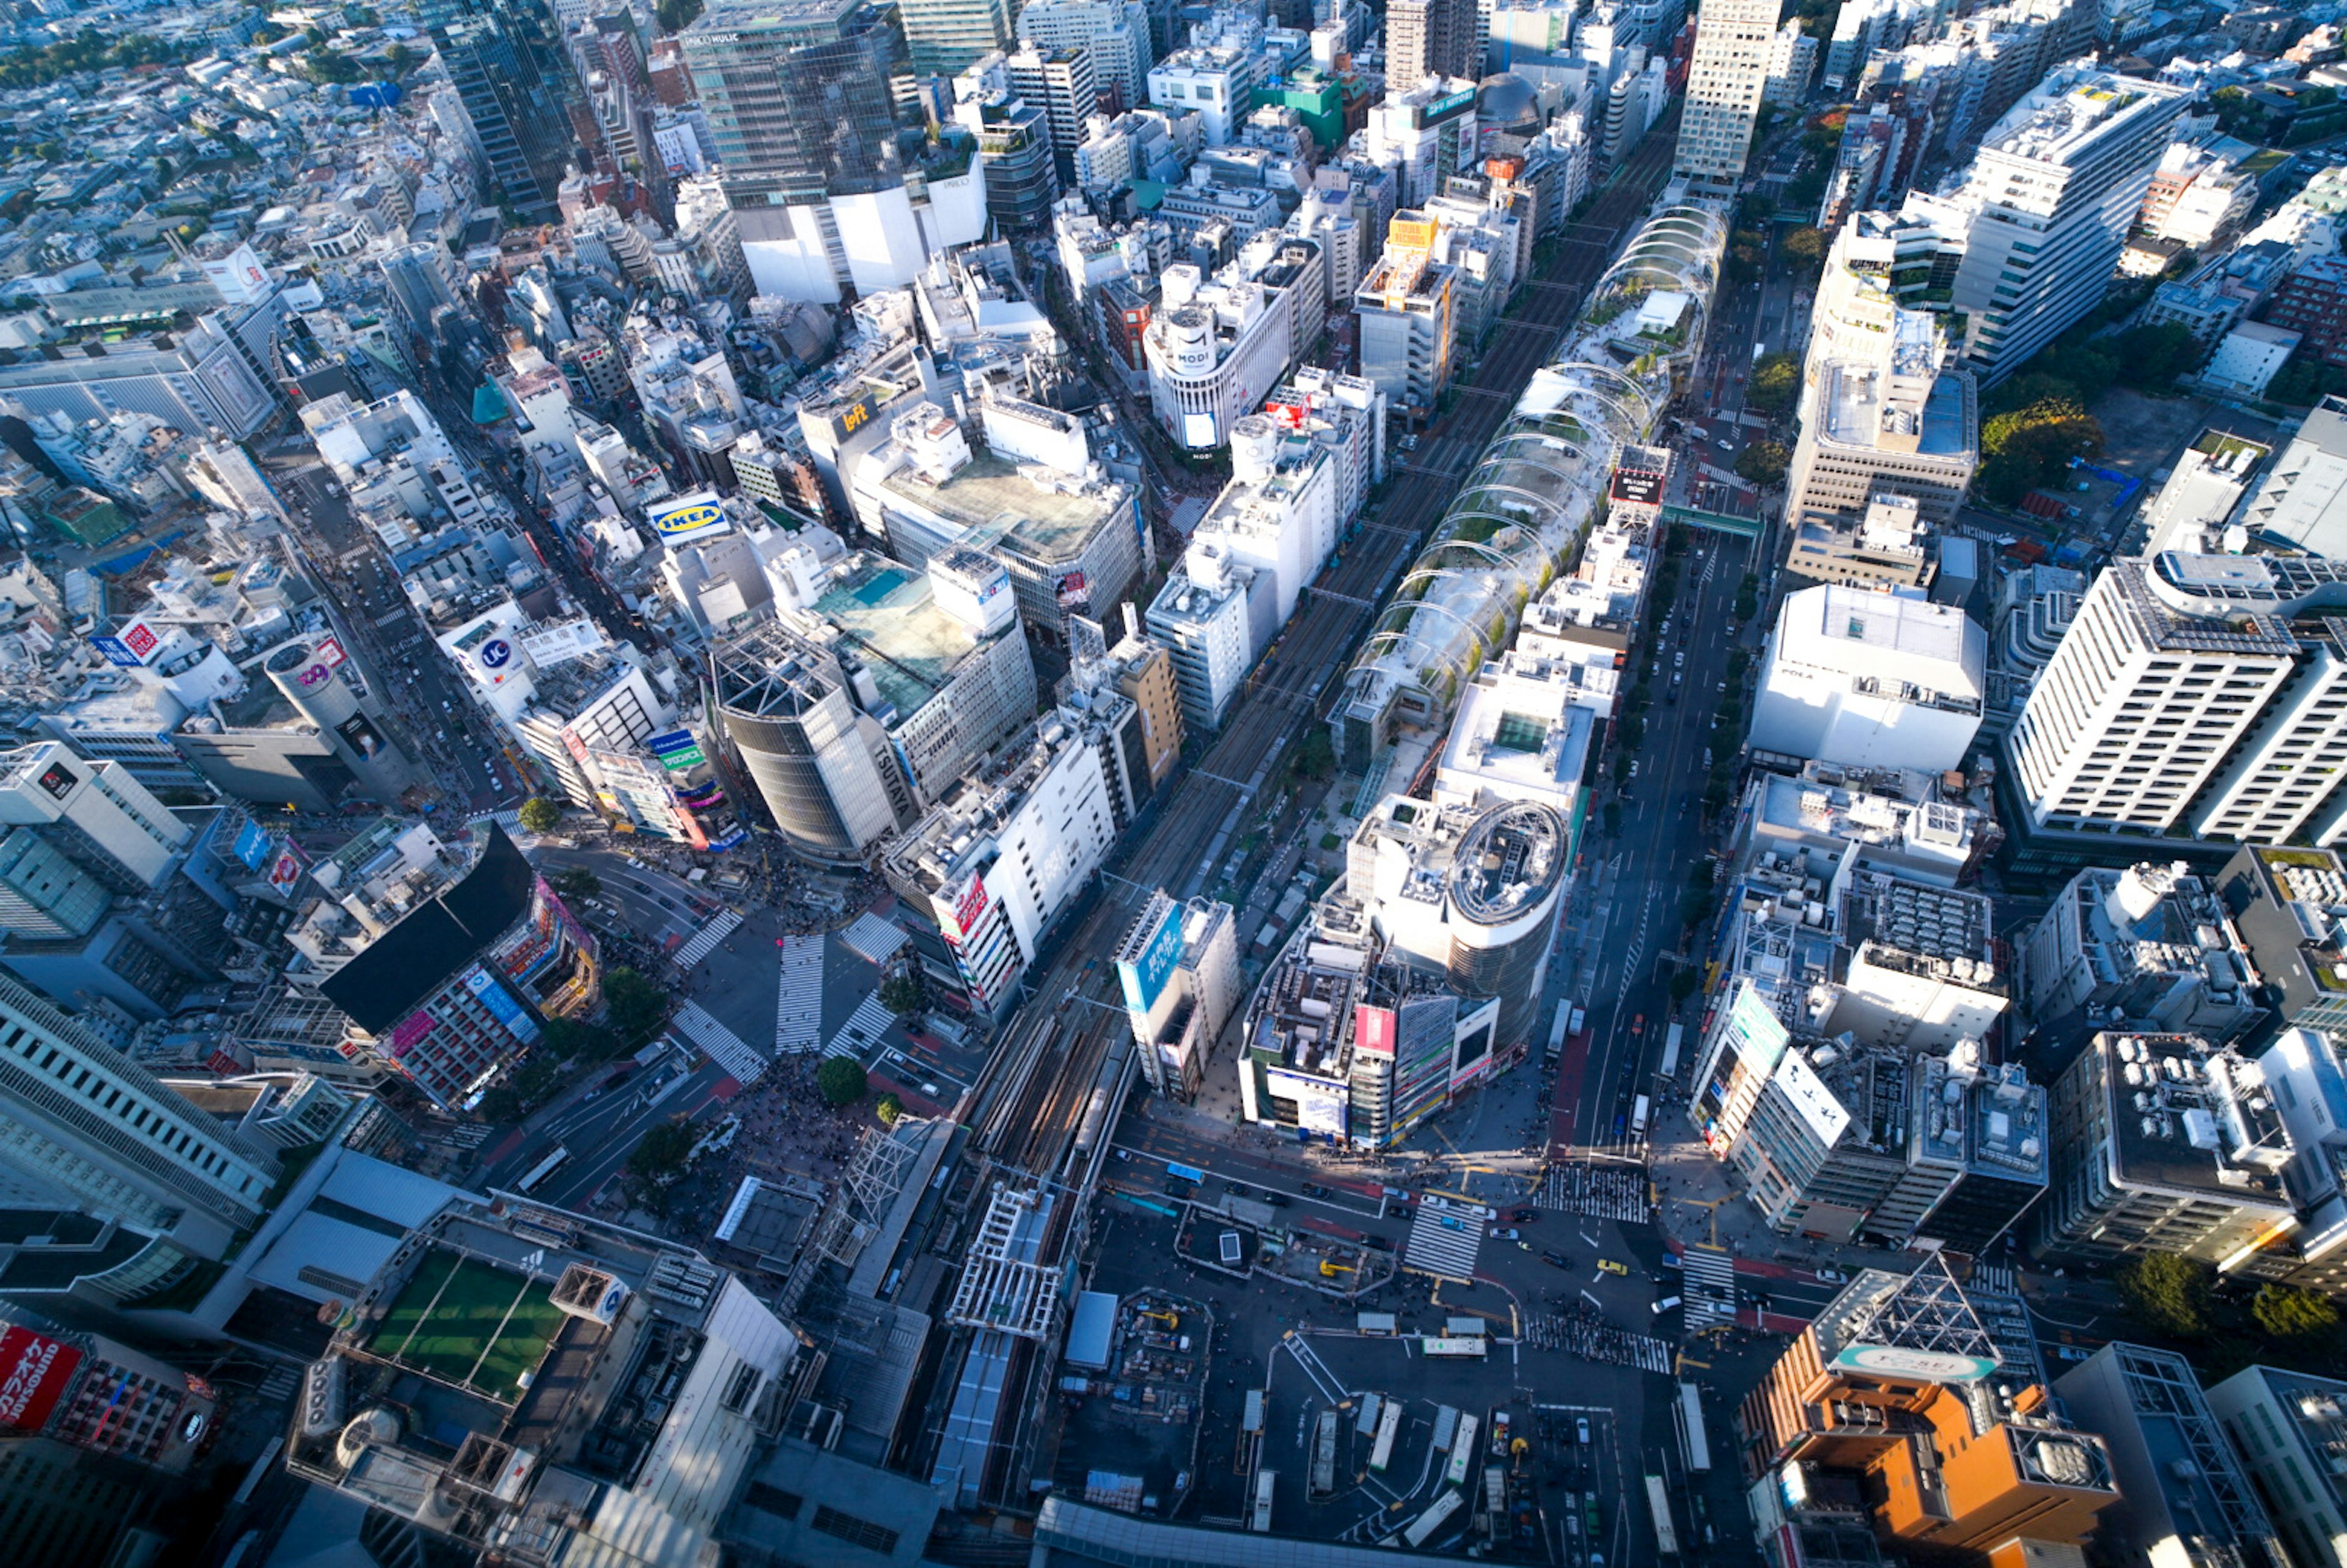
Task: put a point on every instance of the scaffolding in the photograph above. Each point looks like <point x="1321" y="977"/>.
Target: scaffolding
<point x="1002" y="1286"/>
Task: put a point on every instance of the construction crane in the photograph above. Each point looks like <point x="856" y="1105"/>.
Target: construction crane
<point x="1170" y="1320"/>
<point x="1331" y="1270"/>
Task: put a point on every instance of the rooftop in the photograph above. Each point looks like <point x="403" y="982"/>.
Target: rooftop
<point x="2191" y="1117"/>
<point x="995" y="500"/>
<point x="888" y="613"/>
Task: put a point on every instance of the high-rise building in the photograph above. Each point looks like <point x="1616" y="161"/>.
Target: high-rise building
<point x="825" y="191"/>
<point x="2183" y="1496"/>
<point x="1735" y="41"/>
<point x="1063" y="81"/>
<point x="97" y="813"/>
<point x="1474" y="890"/>
<point x="1014" y="144"/>
<point x="444" y="955"/>
<point x="1114" y="33"/>
<point x="507" y="60"/>
<point x="81" y="1121"/>
<point x="1405" y="311"/>
<point x="2044" y="209"/>
<point x="517" y="1374"/>
<point x="2164" y="1143"/>
<point x="1882" y="412"/>
<point x="2209" y="692"/>
<point x="1179" y="967"/>
<point x="2289" y="1430"/>
<point x="996" y="863"/>
<point x="1899" y="1390"/>
<point x="821" y="763"/>
<point x="944" y="38"/>
<point x="1434" y="38"/>
<point x="1871" y="678"/>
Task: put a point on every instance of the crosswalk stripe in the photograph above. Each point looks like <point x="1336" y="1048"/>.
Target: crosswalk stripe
<point x="798" y="996"/>
<point x="867" y="1023"/>
<point x="722" y="1045"/>
<point x="704" y="941"/>
<point x="1438" y="1249"/>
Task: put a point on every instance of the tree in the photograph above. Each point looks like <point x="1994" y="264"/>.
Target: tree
<point x="888" y="1110"/>
<point x="2150" y="358"/>
<point x="575" y="1040"/>
<point x="399" y="59"/>
<point x="576" y="882"/>
<point x="2170" y="1293"/>
<point x="1806" y="188"/>
<point x="1776" y="383"/>
<point x="1316" y="754"/>
<point x="903" y="992"/>
<point x="2288" y="1313"/>
<point x="841" y="1081"/>
<point x="1763" y="463"/>
<point x="656" y="1165"/>
<point x="1805" y="248"/>
<point x="676" y="16"/>
<point x="2032" y="446"/>
<point x="637" y="1006"/>
<point x="540" y="815"/>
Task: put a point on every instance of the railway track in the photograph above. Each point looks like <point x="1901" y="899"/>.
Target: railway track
<point x="1292" y="687"/>
<point x="1054" y="1061"/>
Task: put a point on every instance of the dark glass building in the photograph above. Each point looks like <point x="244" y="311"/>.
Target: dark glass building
<point x="507" y="60"/>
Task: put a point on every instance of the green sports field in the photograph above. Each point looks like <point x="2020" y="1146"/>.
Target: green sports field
<point x="465" y="1322"/>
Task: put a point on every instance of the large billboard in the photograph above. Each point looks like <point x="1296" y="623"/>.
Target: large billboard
<point x="1144" y="981"/>
<point x="1321" y="1108"/>
<point x="692" y="517"/>
<point x="34" y="1371"/>
<point x="676" y="748"/>
<point x="252" y="844"/>
<point x="500" y="1003"/>
<point x="1449" y="106"/>
<point x="1903" y="1362"/>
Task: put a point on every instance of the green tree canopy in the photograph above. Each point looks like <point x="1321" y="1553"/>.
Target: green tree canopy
<point x="888" y="1110"/>
<point x="637" y="1006"/>
<point x="575" y="1040"/>
<point x="540" y="815"/>
<point x="1804" y="247"/>
<point x="1776" y="382"/>
<point x="2029" y="447"/>
<point x="1763" y="463"/>
<point x="2288" y="1313"/>
<point x="841" y="1081"/>
<point x="2171" y="1294"/>
<point x="656" y="1165"/>
<point x="576" y="882"/>
<point x="903" y="992"/>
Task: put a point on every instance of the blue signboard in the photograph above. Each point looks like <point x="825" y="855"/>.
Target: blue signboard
<point x="729" y="840"/>
<point x="117" y="652"/>
<point x="500" y="1003"/>
<point x="1144" y="981"/>
<point x="669" y="741"/>
<point x="252" y="845"/>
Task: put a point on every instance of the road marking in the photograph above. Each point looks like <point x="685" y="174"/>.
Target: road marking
<point x="705" y="942"/>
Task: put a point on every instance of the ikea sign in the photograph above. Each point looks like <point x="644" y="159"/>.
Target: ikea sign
<point x="690" y="516"/>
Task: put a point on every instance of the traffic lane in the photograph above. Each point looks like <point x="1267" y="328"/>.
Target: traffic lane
<point x="696" y="1101"/>
<point x="1656" y="831"/>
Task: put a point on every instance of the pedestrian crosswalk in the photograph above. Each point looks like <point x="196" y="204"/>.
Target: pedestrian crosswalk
<point x="704" y="941"/>
<point x="1601" y="1192"/>
<point x="871" y="939"/>
<point x="863" y="1029"/>
<point x="720" y="1044"/>
<point x="798" y="997"/>
<point x="1710" y="1287"/>
<point x="1435" y="1248"/>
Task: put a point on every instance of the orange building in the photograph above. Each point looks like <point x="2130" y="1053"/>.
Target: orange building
<point x="1896" y="1387"/>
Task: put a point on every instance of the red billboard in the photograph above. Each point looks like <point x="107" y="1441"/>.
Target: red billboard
<point x="34" y="1372"/>
<point x="1373" y="1030"/>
